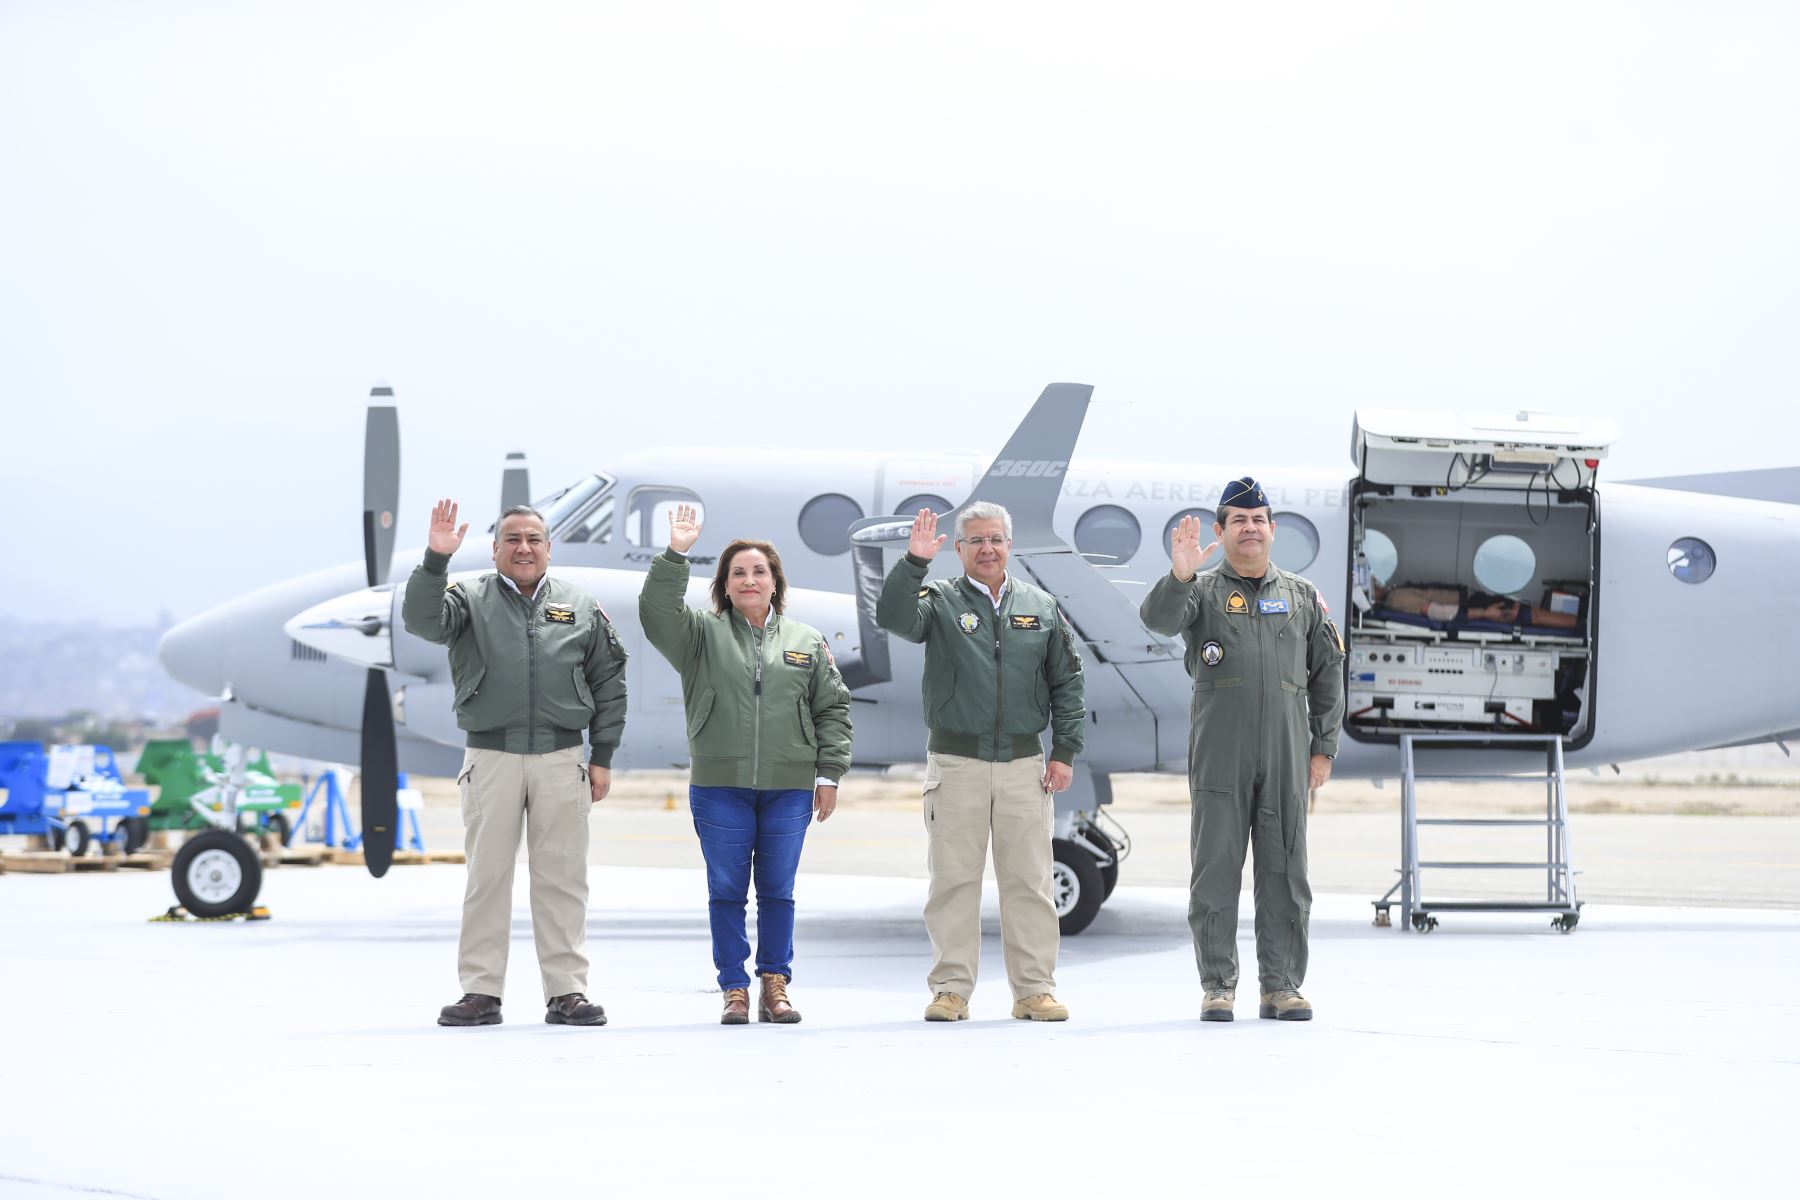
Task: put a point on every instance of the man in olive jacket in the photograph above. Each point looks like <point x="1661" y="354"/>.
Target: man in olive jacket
<point x="1000" y="665"/>
<point x="1268" y="668"/>
<point x="534" y="661"/>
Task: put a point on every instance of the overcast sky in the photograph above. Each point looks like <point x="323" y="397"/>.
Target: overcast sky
<point x="588" y="229"/>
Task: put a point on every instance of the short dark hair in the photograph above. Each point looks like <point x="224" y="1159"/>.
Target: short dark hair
<point x="721" y="597"/>
<point x="521" y="510"/>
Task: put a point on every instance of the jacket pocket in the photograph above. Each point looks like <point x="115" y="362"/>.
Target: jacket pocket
<point x="807" y="732"/>
<point x="467" y="686"/>
<point x="697" y="715"/>
<point x="942" y="695"/>
<point x="582" y="692"/>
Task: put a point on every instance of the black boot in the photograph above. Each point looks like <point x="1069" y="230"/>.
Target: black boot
<point x="573" y="1009"/>
<point x="472" y="1009"/>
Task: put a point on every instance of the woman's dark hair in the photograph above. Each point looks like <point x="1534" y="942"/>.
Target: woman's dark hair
<point x="722" y="598"/>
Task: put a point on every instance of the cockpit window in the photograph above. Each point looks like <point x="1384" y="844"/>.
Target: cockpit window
<point x="593" y="525"/>
<point x="647" y="512"/>
<point x="559" y="506"/>
<point x="1691" y="560"/>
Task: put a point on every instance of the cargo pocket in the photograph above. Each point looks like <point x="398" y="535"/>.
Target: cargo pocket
<point x="933" y="780"/>
<point x="1271" y="842"/>
<point x="465" y="789"/>
<point x="806" y="724"/>
<point x="702" y="709"/>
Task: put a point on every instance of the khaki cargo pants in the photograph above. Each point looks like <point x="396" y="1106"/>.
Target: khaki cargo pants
<point x="546" y="797"/>
<point x="964" y="799"/>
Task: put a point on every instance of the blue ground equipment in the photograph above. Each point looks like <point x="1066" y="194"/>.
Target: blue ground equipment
<point x="73" y="795"/>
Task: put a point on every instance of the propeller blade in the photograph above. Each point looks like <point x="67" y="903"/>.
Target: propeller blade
<point x="381" y="482"/>
<point x="515" y="481"/>
<point x="380" y="777"/>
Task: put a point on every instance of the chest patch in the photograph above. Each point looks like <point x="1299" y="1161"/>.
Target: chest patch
<point x="796" y="658"/>
<point x="968" y="622"/>
<point x="1271" y="606"/>
<point x="1025" y="621"/>
<point x="562" y="614"/>
<point x="1212" y="654"/>
<point x="1235" y="603"/>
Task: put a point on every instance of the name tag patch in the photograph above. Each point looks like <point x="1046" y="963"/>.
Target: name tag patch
<point x="562" y="614"/>
<point x="1271" y="606"/>
<point x="1026" y="622"/>
<point x="796" y="658"/>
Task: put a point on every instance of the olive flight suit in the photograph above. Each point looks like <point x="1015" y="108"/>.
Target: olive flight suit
<point x="1268" y="694"/>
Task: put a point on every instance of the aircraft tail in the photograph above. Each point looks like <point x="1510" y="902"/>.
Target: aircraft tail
<point x="1027" y="477"/>
<point x="1780" y="484"/>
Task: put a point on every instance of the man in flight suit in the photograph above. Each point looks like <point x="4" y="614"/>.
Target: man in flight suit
<point x="1268" y="702"/>
<point x="535" y="662"/>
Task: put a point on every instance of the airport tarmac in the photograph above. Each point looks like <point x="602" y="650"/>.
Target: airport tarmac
<point x="1654" y="1050"/>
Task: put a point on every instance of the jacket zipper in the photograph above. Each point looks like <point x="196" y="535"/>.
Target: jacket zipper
<point x="756" y="636"/>
<point x="531" y="674"/>
<point x="999" y="683"/>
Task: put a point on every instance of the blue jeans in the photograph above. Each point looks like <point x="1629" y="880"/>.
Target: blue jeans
<point x="744" y="831"/>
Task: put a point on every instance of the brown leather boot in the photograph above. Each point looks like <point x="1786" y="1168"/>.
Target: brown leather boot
<point x="737" y="1007"/>
<point x="573" y="1009"/>
<point x="472" y="1009"/>
<point x="773" y="1004"/>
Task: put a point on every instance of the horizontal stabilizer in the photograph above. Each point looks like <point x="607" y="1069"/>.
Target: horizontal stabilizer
<point x="1780" y="484"/>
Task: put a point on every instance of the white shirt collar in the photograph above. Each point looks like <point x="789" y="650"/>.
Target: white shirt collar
<point x="996" y="597"/>
<point x="515" y="587"/>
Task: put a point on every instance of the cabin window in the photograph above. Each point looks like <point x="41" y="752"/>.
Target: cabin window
<point x="1504" y="564"/>
<point x="1691" y="560"/>
<point x="1296" y="542"/>
<point x="647" y="513"/>
<point x="825" y="523"/>
<point x="1109" y="533"/>
<point x="910" y="506"/>
<point x="1381" y="554"/>
<point x="1208" y="518"/>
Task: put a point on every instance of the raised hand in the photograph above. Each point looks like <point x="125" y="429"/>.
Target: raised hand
<point x="1185" y="555"/>
<point x="926" y="541"/>
<point x="445" y="537"/>
<point x="684" y="530"/>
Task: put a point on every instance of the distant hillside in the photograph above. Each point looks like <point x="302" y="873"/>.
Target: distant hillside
<point x="48" y="669"/>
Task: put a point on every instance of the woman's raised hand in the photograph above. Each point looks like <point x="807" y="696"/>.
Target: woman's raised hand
<point x="926" y="541"/>
<point x="684" y="529"/>
<point x="444" y="537"/>
<point x="1185" y="555"/>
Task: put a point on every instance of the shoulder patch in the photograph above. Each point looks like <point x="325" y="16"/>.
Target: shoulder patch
<point x="1332" y="629"/>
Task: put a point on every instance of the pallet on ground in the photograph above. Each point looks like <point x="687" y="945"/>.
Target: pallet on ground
<point x="297" y="856"/>
<point x="145" y="860"/>
<point x="55" y="862"/>
<point x="413" y="858"/>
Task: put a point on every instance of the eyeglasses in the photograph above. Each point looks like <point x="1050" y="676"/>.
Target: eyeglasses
<point x="996" y="540"/>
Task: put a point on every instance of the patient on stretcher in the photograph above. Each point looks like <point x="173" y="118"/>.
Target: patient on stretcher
<point x="1446" y="604"/>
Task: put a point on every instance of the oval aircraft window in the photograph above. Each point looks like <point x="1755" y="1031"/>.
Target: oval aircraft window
<point x="1691" y="560"/>
<point x="1208" y="518"/>
<point x="910" y="506"/>
<point x="825" y="523"/>
<point x="1109" y="532"/>
<point x="1383" y="556"/>
<point x="1504" y="564"/>
<point x="1296" y="542"/>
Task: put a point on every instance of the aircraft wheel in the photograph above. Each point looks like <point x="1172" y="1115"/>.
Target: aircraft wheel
<point x="279" y="826"/>
<point x="136" y="831"/>
<point x="217" y="874"/>
<point x="1075" y="886"/>
<point x="75" y="838"/>
<point x="1109" y="878"/>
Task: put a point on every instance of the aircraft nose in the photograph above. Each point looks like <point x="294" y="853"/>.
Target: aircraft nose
<point x="193" y="653"/>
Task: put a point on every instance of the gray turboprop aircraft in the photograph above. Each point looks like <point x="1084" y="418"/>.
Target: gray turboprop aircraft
<point x="1463" y="558"/>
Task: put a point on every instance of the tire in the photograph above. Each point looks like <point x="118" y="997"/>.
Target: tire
<point x="278" y="825"/>
<point x="216" y="874"/>
<point x="76" y="839"/>
<point x="1075" y="886"/>
<point x="136" y="832"/>
<point x="1109" y="879"/>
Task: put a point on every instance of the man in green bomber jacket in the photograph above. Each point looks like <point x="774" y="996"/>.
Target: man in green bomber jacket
<point x="1000" y="665"/>
<point x="534" y="661"/>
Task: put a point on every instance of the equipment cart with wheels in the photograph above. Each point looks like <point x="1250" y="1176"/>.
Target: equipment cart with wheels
<point x="72" y="795"/>
<point x="1416" y="910"/>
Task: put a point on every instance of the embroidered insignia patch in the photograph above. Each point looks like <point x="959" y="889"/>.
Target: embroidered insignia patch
<point x="968" y="622"/>
<point x="1212" y="654"/>
<point x="796" y="658"/>
<point x="562" y="614"/>
<point x="1331" y="627"/>
<point x="1271" y="606"/>
<point x="1026" y="621"/>
<point x="1235" y="603"/>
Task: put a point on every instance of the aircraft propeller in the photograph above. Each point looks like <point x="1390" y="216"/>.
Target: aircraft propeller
<point x="380" y="755"/>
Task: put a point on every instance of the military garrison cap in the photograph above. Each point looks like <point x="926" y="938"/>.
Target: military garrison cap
<point x="1243" y="493"/>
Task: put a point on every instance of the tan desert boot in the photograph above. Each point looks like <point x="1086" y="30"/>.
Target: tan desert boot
<point x="947" y="1006"/>
<point x="737" y="1007"/>
<point x="1040" y="1008"/>
<point x="1285" y="1006"/>
<point x="1218" y="1004"/>
<point x="773" y="1004"/>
